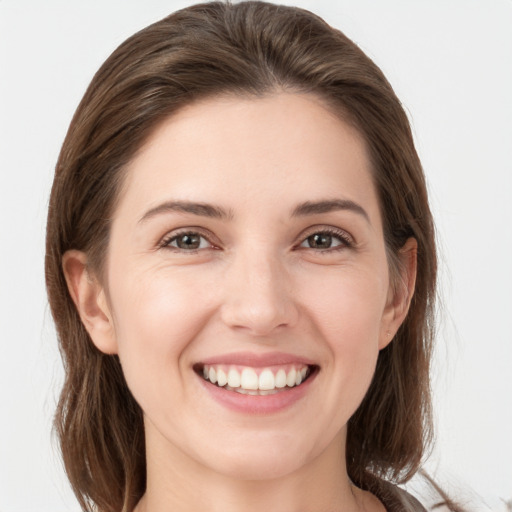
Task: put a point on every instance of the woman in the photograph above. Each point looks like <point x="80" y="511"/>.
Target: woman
<point x="241" y="266"/>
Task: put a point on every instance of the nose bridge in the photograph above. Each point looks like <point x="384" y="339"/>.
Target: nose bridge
<point x="258" y="293"/>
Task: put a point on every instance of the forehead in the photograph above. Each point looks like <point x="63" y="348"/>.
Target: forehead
<point x="251" y="152"/>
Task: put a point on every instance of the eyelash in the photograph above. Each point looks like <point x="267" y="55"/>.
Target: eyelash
<point x="346" y="240"/>
<point x="165" y="243"/>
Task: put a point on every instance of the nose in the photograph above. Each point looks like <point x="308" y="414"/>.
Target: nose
<point x="258" y="295"/>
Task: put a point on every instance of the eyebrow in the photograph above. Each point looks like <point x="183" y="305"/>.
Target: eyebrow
<point x="217" y="212"/>
<point x="201" y="209"/>
<point x="327" y="206"/>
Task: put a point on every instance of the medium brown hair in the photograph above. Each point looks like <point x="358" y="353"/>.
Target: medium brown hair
<point x="249" y="49"/>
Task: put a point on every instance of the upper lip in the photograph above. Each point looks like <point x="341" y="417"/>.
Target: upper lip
<point x="256" y="360"/>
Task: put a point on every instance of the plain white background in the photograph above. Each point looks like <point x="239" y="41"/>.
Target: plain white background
<point x="450" y="62"/>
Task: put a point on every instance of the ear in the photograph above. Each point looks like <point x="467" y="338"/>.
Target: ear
<point x="90" y="301"/>
<point x="400" y="293"/>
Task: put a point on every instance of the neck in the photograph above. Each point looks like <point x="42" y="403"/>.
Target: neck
<point x="178" y="483"/>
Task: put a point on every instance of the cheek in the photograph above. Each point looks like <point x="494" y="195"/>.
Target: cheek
<point x="346" y="313"/>
<point x="347" y="305"/>
<point x="156" y="316"/>
<point x="159" y="308"/>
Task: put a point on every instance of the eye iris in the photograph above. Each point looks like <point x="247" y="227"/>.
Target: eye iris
<point x="188" y="241"/>
<point x="320" y="241"/>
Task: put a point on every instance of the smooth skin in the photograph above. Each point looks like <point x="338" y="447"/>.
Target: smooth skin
<point x="183" y="286"/>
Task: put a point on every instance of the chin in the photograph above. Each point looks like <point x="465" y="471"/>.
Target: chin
<point x="260" y="460"/>
<point x="265" y="468"/>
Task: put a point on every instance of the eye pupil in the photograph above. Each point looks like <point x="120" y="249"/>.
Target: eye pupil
<point x="320" y="241"/>
<point x="189" y="241"/>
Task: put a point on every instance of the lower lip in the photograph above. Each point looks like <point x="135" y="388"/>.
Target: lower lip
<point x="257" y="404"/>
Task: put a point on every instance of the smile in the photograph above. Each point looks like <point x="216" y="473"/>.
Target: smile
<point x="256" y="381"/>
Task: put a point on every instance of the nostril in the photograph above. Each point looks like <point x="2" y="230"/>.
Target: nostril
<point x="259" y="306"/>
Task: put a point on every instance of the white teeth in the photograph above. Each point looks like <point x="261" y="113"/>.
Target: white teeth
<point x="267" y="392"/>
<point x="222" y="378"/>
<point x="252" y="391"/>
<point x="267" y="380"/>
<point x="233" y="378"/>
<point x="291" y="377"/>
<point x="249" y="379"/>
<point x="280" y="379"/>
<point x="249" y="382"/>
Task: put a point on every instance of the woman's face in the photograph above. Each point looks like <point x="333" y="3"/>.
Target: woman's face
<point x="247" y="246"/>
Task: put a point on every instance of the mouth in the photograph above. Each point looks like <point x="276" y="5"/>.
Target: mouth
<point x="256" y="381"/>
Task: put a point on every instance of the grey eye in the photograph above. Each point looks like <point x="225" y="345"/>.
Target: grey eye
<point x="322" y="241"/>
<point x="319" y="241"/>
<point x="189" y="241"/>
